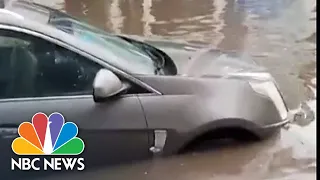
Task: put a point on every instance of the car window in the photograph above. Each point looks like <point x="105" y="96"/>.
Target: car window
<point x="33" y="67"/>
<point x="116" y="51"/>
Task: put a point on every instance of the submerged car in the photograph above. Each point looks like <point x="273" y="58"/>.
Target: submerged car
<point x="127" y="97"/>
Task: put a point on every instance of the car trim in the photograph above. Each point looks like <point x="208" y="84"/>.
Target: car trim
<point x="160" y="137"/>
<point x="45" y="98"/>
<point x="83" y="53"/>
<point x="60" y="97"/>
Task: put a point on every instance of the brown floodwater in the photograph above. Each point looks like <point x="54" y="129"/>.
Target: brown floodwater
<point x="277" y="34"/>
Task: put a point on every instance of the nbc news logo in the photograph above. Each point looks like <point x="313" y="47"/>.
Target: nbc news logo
<point x="48" y="136"/>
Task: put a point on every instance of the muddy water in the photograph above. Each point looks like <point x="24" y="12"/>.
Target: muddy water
<point x="278" y="34"/>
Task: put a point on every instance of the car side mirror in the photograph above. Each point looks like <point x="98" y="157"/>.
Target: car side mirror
<point x="106" y="84"/>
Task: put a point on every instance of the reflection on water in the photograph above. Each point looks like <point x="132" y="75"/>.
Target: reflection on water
<point x="278" y="34"/>
<point x="88" y="10"/>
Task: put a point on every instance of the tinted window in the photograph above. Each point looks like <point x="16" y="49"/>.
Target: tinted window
<point x="33" y="67"/>
<point x="120" y="53"/>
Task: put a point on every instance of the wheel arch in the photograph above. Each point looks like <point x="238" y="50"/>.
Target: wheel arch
<point x="239" y="129"/>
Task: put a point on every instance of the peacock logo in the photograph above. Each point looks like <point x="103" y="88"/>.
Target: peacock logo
<point x="48" y="136"/>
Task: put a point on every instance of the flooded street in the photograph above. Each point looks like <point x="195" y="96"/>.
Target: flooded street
<point x="277" y="34"/>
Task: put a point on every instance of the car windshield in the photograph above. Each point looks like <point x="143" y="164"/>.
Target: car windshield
<point x="131" y="55"/>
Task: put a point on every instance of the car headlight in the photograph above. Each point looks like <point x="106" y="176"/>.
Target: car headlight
<point x="269" y="88"/>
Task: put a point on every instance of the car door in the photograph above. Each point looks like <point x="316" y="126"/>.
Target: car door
<point x="39" y="76"/>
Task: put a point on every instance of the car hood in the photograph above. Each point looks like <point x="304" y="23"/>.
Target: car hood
<point x="204" y="71"/>
<point x="216" y="63"/>
<point x="202" y="61"/>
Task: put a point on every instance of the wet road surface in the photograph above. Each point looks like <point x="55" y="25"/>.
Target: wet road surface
<point x="277" y="34"/>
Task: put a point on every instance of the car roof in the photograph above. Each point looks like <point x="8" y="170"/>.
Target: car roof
<point x="30" y="17"/>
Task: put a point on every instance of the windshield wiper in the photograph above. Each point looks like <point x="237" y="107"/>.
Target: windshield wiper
<point x="158" y="70"/>
<point x="156" y="57"/>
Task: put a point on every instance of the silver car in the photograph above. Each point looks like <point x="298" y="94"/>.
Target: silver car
<point x="127" y="97"/>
